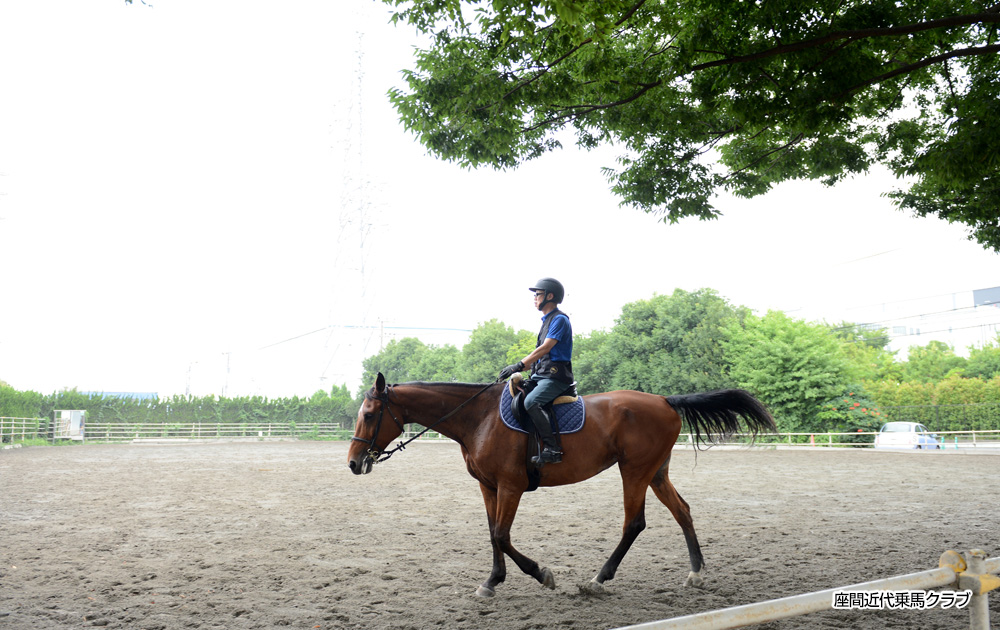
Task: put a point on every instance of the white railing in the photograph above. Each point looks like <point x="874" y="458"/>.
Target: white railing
<point x="973" y="573"/>
<point x="116" y="432"/>
<point x="21" y="429"/>
<point x="946" y="439"/>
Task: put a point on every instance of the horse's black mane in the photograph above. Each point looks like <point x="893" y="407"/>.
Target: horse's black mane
<point x="443" y="384"/>
<point x="431" y="385"/>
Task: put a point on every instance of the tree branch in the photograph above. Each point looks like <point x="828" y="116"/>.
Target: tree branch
<point x="964" y="52"/>
<point x="958" y="20"/>
<point x="791" y="143"/>
<point x="586" y="109"/>
<point x="628" y="14"/>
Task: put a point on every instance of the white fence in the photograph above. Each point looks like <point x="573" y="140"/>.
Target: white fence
<point x="946" y="439"/>
<point x="114" y="432"/>
<point x="973" y="573"/>
<point x="21" y="429"/>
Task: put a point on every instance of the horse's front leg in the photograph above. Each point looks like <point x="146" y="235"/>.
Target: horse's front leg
<point x="499" y="573"/>
<point x="505" y="503"/>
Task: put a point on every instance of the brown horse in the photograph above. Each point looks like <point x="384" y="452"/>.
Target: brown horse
<point x="632" y="429"/>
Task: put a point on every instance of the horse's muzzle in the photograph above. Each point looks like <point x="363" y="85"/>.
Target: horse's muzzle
<point x="362" y="465"/>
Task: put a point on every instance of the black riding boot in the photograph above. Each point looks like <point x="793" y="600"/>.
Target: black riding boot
<point x="551" y="453"/>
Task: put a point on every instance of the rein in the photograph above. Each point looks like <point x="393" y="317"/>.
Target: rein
<point x="377" y="456"/>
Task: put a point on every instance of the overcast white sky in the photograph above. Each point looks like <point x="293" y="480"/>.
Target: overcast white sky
<point x="215" y="196"/>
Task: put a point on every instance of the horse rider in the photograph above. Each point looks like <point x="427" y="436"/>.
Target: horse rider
<point x="551" y="366"/>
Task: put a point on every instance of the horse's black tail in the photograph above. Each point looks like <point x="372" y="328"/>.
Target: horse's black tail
<point x="718" y="413"/>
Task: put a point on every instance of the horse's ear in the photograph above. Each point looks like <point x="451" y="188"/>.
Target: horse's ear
<point x="379" y="383"/>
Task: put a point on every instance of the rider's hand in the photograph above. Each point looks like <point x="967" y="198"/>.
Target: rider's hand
<point x="508" y="371"/>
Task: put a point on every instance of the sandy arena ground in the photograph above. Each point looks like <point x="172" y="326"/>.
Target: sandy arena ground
<point x="280" y="534"/>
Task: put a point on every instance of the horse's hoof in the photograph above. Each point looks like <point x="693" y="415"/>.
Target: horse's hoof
<point x="695" y="580"/>
<point x="593" y="587"/>
<point x="548" y="580"/>
<point x="485" y="591"/>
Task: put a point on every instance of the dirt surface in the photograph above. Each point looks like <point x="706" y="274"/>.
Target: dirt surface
<point x="280" y="534"/>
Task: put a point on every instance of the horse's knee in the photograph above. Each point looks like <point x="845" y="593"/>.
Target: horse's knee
<point x="634" y="527"/>
<point x="501" y="537"/>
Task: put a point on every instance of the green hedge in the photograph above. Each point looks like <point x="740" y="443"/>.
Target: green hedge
<point x="982" y="417"/>
<point x="338" y="407"/>
<point x="953" y="390"/>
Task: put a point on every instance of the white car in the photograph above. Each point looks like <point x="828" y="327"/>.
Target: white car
<point x="905" y="435"/>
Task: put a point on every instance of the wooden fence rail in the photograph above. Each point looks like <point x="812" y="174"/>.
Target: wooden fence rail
<point x="21" y="429"/>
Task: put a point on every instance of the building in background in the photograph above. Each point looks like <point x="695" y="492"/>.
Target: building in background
<point x="961" y="320"/>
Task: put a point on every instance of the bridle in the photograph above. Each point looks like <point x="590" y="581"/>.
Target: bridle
<point x="375" y="455"/>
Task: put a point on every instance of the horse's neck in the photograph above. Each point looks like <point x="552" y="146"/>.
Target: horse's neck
<point x="427" y="406"/>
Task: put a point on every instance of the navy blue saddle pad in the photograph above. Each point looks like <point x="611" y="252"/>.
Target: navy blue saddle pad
<point x="569" y="415"/>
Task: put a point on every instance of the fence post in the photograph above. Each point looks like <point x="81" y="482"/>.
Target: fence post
<point x="979" y="607"/>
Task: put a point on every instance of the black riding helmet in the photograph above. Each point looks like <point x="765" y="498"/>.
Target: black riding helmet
<point x="550" y="285"/>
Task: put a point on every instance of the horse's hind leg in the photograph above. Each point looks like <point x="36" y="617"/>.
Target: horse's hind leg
<point x="635" y="522"/>
<point x="669" y="496"/>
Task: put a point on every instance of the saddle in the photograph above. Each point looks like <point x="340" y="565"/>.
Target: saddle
<point x="567" y="413"/>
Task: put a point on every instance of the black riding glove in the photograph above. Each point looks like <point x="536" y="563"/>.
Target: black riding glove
<point x="508" y="371"/>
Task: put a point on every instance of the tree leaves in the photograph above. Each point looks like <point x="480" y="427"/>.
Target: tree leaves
<point x="721" y="96"/>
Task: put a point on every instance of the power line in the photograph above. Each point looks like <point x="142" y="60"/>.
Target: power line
<point x="888" y="251"/>
<point x="364" y="327"/>
<point x="914" y="299"/>
<point x="902" y="317"/>
<point x="949" y="329"/>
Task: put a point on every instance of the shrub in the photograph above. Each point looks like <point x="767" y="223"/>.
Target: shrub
<point x="853" y="412"/>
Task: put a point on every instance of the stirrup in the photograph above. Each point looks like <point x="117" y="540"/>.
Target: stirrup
<point x="548" y="456"/>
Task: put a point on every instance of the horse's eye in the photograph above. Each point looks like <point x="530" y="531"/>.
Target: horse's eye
<point x="369" y="416"/>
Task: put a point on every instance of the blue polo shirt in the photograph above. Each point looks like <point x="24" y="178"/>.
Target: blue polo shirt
<point x="562" y="332"/>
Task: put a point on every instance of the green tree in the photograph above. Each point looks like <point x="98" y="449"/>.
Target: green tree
<point x="671" y="344"/>
<point x="984" y="361"/>
<point x="18" y="404"/>
<point x="592" y="365"/>
<point x="718" y="95"/>
<point x="486" y="352"/>
<point x="867" y="354"/>
<point x="793" y="366"/>
<point x="337" y="405"/>
<point x="931" y="363"/>
<point x="901" y="394"/>
<point x="409" y="359"/>
<point x="526" y="342"/>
